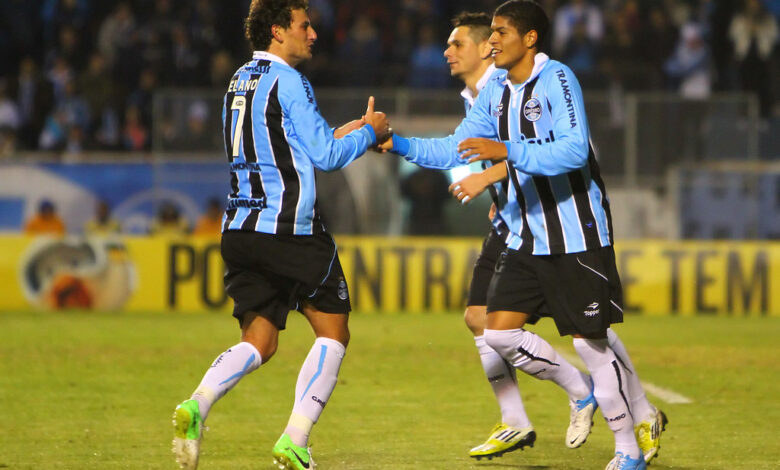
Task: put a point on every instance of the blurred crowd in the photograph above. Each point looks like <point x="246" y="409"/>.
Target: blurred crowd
<point x="168" y="221"/>
<point x="80" y="75"/>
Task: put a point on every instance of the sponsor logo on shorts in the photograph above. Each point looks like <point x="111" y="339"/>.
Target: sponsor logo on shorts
<point x="592" y="310"/>
<point x="342" y="290"/>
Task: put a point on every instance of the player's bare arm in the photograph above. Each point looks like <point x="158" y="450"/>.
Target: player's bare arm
<point x="474" y="184"/>
<point x="348" y="127"/>
<point x="477" y="149"/>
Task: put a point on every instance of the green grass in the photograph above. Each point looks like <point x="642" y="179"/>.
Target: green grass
<point x="96" y="391"/>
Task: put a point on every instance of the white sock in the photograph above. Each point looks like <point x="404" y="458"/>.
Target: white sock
<point x="609" y="388"/>
<point x="224" y="374"/>
<point x="640" y="406"/>
<point x="316" y="381"/>
<point x="534" y="356"/>
<point x="504" y="382"/>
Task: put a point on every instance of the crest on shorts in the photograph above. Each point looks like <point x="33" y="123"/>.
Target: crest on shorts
<point x="342" y="290"/>
<point x="532" y="110"/>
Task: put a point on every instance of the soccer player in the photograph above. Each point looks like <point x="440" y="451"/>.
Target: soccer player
<point x="469" y="57"/>
<point x="559" y="255"/>
<point x="277" y="253"/>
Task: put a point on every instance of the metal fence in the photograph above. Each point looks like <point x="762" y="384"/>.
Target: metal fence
<point x="639" y="136"/>
<point x="640" y="139"/>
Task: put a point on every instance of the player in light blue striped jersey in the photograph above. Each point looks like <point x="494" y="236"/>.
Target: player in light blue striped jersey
<point x="278" y="255"/>
<point x="559" y="257"/>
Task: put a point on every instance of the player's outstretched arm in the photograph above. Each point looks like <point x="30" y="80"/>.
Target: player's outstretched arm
<point x="474" y="184"/>
<point x="442" y="153"/>
<point x="315" y="137"/>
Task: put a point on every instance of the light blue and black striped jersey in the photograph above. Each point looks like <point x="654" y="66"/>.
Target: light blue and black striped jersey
<point x="498" y="190"/>
<point x="556" y="201"/>
<point x="274" y="139"/>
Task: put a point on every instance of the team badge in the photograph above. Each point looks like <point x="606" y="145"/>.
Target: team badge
<point x="532" y="110"/>
<point x="342" y="290"/>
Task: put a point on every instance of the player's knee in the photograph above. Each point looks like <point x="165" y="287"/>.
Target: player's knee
<point x="341" y="335"/>
<point x="266" y="349"/>
<point x="344" y="338"/>
<point x="475" y="319"/>
<point x="502" y="341"/>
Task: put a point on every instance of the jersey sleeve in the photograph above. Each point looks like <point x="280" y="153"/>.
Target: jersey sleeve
<point x="314" y="134"/>
<point x="569" y="151"/>
<point x="442" y="153"/>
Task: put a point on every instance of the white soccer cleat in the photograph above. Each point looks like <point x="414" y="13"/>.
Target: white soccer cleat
<point x="580" y="420"/>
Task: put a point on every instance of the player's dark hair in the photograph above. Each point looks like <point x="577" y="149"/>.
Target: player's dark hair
<point x="526" y="15"/>
<point x="478" y="24"/>
<point x="263" y="14"/>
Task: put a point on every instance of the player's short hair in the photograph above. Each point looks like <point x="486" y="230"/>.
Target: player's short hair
<point x="526" y="15"/>
<point x="263" y="14"/>
<point x="478" y="24"/>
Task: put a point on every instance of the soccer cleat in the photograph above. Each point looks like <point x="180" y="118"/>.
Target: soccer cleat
<point x="187" y="432"/>
<point x="648" y="434"/>
<point x="580" y="420"/>
<point x="288" y="456"/>
<point x="503" y="439"/>
<point x="624" y="462"/>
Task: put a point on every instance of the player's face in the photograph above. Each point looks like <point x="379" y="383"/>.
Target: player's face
<point x="299" y="37"/>
<point x="463" y="55"/>
<point x="509" y="46"/>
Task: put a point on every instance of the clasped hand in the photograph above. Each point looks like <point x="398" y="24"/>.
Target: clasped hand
<point x="377" y="120"/>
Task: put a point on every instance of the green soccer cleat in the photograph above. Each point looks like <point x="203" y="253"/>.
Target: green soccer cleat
<point x="503" y="439"/>
<point x="288" y="456"/>
<point x="648" y="434"/>
<point x="187" y="432"/>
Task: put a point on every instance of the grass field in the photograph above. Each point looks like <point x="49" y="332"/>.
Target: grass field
<point x="96" y="391"/>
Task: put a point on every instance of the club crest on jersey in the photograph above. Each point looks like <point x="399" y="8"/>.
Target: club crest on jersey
<point x="532" y="110"/>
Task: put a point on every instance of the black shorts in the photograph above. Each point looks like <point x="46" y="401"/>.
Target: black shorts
<point x="484" y="268"/>
<point x="581" y="291"/>
<point x="273" y="274"/>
